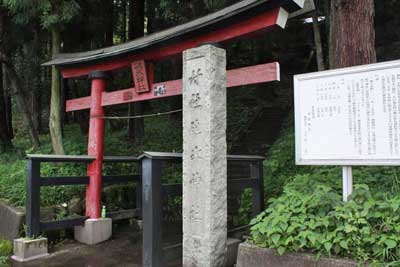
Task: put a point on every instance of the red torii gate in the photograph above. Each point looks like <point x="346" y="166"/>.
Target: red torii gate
<point x="246" y="18"/>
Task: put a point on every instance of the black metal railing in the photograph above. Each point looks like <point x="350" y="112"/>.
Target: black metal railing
<point x="153" y="191"/>
<point x="35" y="181"/>
<point x="149" y="194"/>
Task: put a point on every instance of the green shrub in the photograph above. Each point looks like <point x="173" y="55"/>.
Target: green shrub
<point x="3" y="261"/>
<point x="5" y="251"/>
<point x="314" y="219"/>
<point x="5" y="248"/>
<point x="305" y="211"/>
<point x="280" y="169"/>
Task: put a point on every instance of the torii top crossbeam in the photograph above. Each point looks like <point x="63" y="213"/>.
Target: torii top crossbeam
<point x="245" y="17"/>
<point x="242" y="19"/>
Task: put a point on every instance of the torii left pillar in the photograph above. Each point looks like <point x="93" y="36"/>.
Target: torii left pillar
<point x="96" y="229"/>
<point x="95" y="144"/>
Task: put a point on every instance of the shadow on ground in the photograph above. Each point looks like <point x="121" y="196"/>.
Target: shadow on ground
<point x="124" y="249"/>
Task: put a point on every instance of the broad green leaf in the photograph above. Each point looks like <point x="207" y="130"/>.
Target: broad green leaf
<point x="281" y="251"/>
<point x="390" y="243"/>
<point x="343" y="244"/>
<point x="328" y="246"/>
<point x="275" y="238"/>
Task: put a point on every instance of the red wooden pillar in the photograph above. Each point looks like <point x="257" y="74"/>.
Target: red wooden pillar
<point x="95" y="144"/>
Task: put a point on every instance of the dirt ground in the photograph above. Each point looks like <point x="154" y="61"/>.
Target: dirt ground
<point x="124" y="249"/>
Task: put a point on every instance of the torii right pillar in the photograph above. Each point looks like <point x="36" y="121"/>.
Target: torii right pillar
<point x="204" y="157"/>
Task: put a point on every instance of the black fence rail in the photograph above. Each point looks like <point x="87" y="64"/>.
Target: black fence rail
<point x="35" y="181"/>
<point x="153" y="192"/>
<point x="149" y="194"/>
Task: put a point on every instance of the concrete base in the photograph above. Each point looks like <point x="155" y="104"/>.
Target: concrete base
<point x="11" y="221"/>
<point x="29" y="249"/>
<point x="253" y="256"/>
<point x="94" y="231"/>
<point x="232" y="251"/>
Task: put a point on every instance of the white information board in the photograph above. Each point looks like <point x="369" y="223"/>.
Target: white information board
<point x="348" y="116"/>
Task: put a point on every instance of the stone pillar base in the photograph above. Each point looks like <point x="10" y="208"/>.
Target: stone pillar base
<point x="94" y="231"/>
<point x="26" y="249"/>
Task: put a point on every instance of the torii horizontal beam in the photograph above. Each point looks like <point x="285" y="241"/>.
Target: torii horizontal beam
<point x="237" y="77"/>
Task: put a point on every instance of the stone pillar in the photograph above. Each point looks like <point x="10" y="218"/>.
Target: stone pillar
<point x="204" y="157"/>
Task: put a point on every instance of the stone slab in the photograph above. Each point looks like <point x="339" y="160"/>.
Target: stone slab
<point x="174" y="252"/>
<point x="232" y="251"/>
<point x="253" y="256"/>
<point x="94" y="231"/>
<point x="204" y="157"/>
<point x="11" y="221"/>
<point x="29" y="249"/>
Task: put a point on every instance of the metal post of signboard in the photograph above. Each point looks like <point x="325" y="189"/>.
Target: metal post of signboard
<point x="347" y="178"/>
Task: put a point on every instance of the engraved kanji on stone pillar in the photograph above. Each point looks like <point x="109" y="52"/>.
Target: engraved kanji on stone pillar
<point x="204" y="157"/>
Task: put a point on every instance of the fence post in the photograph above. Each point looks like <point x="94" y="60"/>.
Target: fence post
<point x="152" y="212"/>
<point x="139" y="190"/>
<point x="256" y="170"/>
<point x="33" y="198"/>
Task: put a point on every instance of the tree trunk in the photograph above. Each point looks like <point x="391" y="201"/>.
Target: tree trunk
<point x="5" y="138"/>
<point x="37" y="92"/>
<point x="136" y="19"/>
<point x="15" y="84"/>
<point x="352" y="33"/>
<point x="55" y="101"/>
<point x="123" y="26"/>
<point x="318" y="42"/>
<point x="82" y="116"/>
<point x="7" y="102"/>
<point x="135" y="30"/>
<point x="109" y="21"/>
<point x="36" y="110"/>
<point x="21" y="102"/>
<point x="199" y="8"/>
<point x="152" y="23"/>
